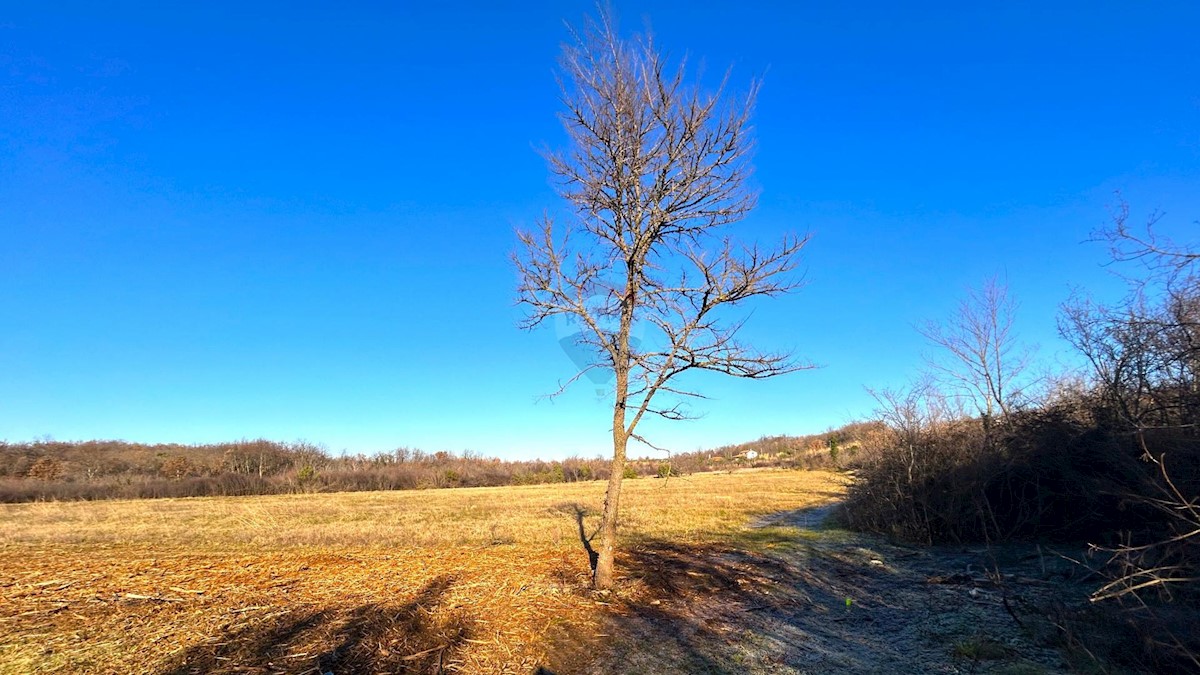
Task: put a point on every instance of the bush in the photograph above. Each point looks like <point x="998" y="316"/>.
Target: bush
<point x="1067" y="472"/>
<point x="177" y="467"/>
<point x="46" y="469"/>
<point x="1053" y="473"/>
<point x="306" y="476"/>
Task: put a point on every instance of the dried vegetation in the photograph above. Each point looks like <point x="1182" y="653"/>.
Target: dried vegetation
<point x="486" y="580"/>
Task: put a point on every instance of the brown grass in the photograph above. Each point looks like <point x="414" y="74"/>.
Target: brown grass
<point x="483" y="580"/>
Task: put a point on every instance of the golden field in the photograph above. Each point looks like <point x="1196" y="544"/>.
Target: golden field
<point x="474" y="580"/>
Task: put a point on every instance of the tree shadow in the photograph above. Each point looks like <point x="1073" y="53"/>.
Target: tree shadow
<point x="727" y="608"/>
<point x="673" y="578"/>
<point x="579" y="512"/>
<point x="414" y="637"/>
<point x="768" y="601"/>
<point x="683" y="598"/>
<point x="773" y="597"/>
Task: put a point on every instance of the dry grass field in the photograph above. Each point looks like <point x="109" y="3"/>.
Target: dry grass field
<point x="478" y="580"/>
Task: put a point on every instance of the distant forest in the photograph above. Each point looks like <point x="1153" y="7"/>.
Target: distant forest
<point x="48" y="470"/>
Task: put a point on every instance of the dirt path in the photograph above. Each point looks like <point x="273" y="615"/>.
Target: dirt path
<point x="802" y="598"/>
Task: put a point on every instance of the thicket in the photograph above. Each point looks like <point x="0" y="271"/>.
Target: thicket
<point x="1109" y="457"/>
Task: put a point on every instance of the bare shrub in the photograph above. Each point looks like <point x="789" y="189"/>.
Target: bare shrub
<point x="177" y="467"/>
<point x="1145" y="354"/>
<point x="904" y="483"/>
<point x="45" y="468"/>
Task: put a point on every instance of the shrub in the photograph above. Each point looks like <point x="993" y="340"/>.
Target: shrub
<point x="177" y="467"/>
<point x="306" y="476"/>
<point x="45" y="468"/>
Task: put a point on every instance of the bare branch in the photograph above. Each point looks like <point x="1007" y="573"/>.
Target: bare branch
<point x="1144" y="244"/>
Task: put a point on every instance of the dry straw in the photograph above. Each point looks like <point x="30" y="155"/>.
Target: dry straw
<point x="484" y="580"/>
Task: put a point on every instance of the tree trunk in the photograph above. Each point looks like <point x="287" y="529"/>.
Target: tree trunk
<point x="602" y="576"/>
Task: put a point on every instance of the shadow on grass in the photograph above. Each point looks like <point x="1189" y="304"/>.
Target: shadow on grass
<point x="580" y="512"/>
<point x="407" y="638"/>
<point x="822" y="517"/>
<point x="742" y="601"/>
<point x="732" y="606"/>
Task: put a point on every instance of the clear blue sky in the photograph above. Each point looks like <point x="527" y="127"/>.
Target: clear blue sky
<point x="237" y="220"/>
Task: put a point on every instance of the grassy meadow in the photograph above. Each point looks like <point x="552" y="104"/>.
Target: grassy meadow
<point x="487" y="580"/>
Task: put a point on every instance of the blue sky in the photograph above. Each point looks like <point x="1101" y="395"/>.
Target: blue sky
<point x="293" y="221"/>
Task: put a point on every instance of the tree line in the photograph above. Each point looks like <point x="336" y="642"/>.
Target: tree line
<point x="88" y="470"/>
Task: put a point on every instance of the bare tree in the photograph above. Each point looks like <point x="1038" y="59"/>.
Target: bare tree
<point x="655" y="170"/>
<point x="1145" y="359"/>
<point x="981" y="360"/>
